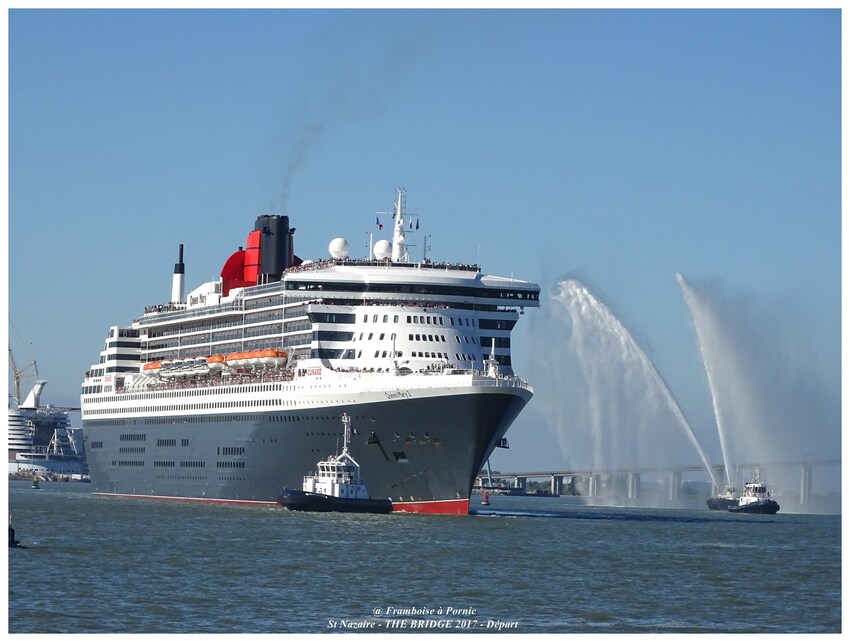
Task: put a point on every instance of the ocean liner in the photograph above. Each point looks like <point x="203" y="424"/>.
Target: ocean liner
<point x="230" y="392"/>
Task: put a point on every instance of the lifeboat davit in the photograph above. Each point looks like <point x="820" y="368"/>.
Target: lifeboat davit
<point x="215" y="362"/>
<point x="152" y="368"/>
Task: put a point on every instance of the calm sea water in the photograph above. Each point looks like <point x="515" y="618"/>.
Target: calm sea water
<point x="531" y="565"/>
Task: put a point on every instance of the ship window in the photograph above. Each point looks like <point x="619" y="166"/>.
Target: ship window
<point x="370" y="335"/>
<point x="408" y="318"/>
<point x="384" y="354"/>
<point x="374" y="318"/>
<point x="365" y="318"/>
<point x="395" y="319"/>
<point x="386" y="318"/>
<point x="381" y="338"/>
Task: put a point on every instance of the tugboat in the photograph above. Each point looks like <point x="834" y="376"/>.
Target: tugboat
<point x="755" y="499"/>
<point x="336" y="486"/>
<point x="724" y="500"/>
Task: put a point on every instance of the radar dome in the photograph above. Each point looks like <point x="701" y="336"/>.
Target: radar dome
<point x="338" y="248"/>
<point x="383" y="249"/>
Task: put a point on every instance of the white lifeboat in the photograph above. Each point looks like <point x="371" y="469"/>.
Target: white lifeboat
<point x="177" y="368"/>
<point x="167" y="369"/>
<point x="201" y="367"/>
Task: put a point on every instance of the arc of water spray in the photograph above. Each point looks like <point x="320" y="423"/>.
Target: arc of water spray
<point x="690" y="300"/>
<point x="586" y="301"/>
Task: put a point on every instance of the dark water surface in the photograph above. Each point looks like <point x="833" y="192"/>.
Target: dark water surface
<point x="529" y="565"/>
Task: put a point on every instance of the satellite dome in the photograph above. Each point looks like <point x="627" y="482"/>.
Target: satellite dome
<point x="338" y="248"/>
<point x="383" y="249"/>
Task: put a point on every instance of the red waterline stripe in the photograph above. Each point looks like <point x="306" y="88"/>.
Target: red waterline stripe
<point x="436" y="507"/>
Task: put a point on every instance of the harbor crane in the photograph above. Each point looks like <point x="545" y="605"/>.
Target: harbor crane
<point x="18" y="374"/>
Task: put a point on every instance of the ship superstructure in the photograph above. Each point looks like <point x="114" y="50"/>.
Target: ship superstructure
<point x="231" y="391"/>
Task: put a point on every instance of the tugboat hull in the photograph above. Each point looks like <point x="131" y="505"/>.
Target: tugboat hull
<point x="293" y="499"/>
<point x="764" y="507"/>
<point x="720" y="503"/>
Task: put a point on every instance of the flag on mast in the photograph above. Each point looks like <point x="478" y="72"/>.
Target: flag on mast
<point x="379" y="224"/>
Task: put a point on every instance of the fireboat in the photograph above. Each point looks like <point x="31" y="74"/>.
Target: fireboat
<point x="755" y="499"/>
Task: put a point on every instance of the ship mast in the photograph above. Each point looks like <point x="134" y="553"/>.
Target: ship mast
<point x="399" y="248"/>
<point x="346" y="434"/>
<point x="346" y="439"/>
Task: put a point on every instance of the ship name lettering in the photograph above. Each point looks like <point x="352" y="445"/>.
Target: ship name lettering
<point x="398" y="394"/>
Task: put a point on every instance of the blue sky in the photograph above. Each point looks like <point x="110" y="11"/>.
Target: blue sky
<point x="617" y="147"/>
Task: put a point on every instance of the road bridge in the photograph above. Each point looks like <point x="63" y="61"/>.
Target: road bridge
<point x="628" y="479"/>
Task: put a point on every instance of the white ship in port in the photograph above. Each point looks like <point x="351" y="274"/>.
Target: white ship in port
<point x="41" y="440"/>
<point x="233" y="391"/>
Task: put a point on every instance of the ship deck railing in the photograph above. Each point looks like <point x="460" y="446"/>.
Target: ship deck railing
<point x="44" y="451"/>
<point x="426" y="264"/>
<point x="182" y="310"/>
<point x="417" y="379"/>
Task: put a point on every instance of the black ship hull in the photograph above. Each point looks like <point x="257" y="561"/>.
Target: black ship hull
<point x="299" y="500"/>
<point x="420" y="452"/>
<point x="764" y="507"/>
